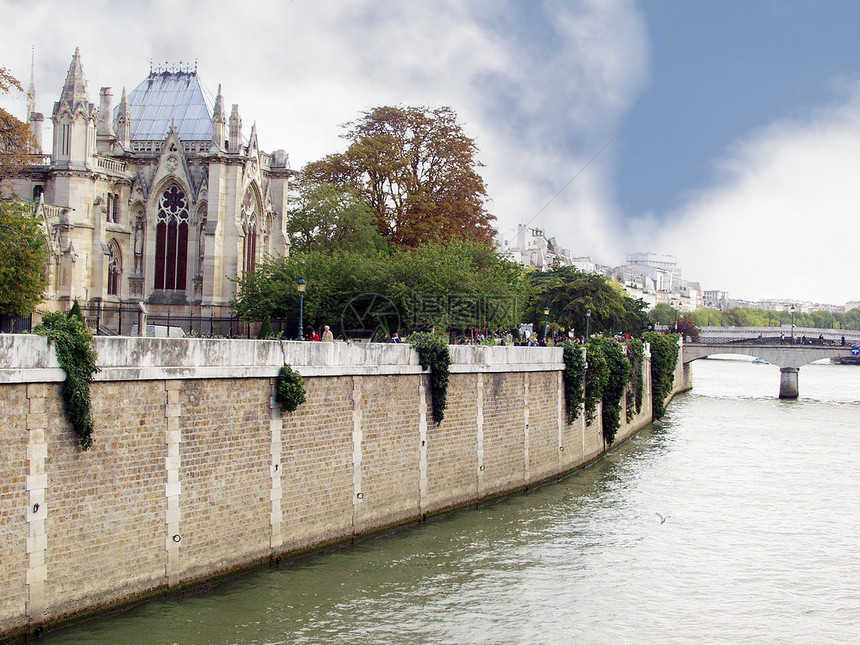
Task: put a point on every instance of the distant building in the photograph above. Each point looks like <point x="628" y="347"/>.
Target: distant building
<point x="158" y="200"/>
<point x="714" y="299"/>
<point x="534" y="249"/>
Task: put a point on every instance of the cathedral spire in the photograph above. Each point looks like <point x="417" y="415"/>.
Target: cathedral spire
<point x="31" y="91"/>
<point x="219" y="121"/>
<point x="75" y="88"/>
<point x="122" y="125"/>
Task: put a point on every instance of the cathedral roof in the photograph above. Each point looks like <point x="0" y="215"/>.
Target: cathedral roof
<point x="166" y="98"/>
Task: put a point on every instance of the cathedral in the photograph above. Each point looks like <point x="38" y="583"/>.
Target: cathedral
<point x="159" y="200"/>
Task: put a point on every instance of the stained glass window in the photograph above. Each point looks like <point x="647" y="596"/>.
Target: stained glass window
<point x="171" y="240"/>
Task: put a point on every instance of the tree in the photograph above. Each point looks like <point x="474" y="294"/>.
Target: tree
<point x="418" y="172"/>
<point x="569" y="293"/>
<point x="444" y="286"/>
<point x="330" y="217"/>
<point x="16" y="140"/>
<point x="23" y="259"/>
<point x="663" y="314"/>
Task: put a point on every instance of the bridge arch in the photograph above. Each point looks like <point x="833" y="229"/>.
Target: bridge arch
<point x="789" y="358"/>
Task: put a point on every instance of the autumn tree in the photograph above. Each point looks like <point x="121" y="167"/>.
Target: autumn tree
<point x="16" y="140"/>
<point x="418" y="172"/>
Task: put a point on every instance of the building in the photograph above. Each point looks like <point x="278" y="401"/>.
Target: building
<point x="159" y="200"/>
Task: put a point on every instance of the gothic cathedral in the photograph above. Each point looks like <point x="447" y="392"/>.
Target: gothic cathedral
<point x="158" y="200"/>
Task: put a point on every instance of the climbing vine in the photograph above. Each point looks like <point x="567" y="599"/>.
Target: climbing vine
<point x="433" y="354"/>
<point x="574" y="379"/>
<point x="595" y="377"/>
<point x="664" y="358"/>
<point x="635" y="356"/>
<point x="289" y="389"/>
<point x="76" y="353"/>
<point x="617" y="375"/>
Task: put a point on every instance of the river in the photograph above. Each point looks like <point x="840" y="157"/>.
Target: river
<point x="760" y="544"/>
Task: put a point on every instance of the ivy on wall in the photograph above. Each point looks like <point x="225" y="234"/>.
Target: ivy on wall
<point x="289" y="389"/>
<point x="73" y="343"/>
<point x="434" y="355"/>
<point x="664" y="358"/>
<point x="574" y="379"/>
<point x="635" y="386"/>
<point x="617" y="373"/>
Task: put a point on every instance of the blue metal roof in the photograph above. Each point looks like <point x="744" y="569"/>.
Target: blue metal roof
<point x="166" y="98"/>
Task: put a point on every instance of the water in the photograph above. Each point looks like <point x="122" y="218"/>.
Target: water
<point x="760" y="545"/>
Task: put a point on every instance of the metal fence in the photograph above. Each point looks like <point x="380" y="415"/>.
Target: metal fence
<point x="15" y="324"/>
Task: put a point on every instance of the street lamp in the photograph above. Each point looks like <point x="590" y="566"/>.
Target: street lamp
<point x="545" y="321"/>
<point x="300" y="285"/>
<point x="587" y="323"/>
<point x="792" y="324"/>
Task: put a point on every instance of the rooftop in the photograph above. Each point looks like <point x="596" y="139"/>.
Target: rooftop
<point x="166" y="97"/>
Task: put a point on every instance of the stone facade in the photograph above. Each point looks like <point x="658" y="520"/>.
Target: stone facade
<point x="160" y="200"/>
<point x="196" y="472"/>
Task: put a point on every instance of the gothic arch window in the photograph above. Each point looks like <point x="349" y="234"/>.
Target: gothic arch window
<point x="171" y="240"/>
<point x="250" y="218"/>
<point x="114" y="268"/>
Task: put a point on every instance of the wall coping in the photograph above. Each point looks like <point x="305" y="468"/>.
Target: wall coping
<point x="27" y="358"/>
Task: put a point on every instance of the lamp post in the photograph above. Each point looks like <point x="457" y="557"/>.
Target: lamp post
<point x="792" y="324"/>
<point x="587" y="323"/>
<point x="545" y="321"/>
<point x="300" y="285"/>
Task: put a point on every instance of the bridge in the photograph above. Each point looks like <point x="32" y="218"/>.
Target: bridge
<point x="788" y="356"/>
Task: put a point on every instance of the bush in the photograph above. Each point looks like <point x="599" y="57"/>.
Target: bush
<point x="434" y="355"/>
<point x="75" y="349"/>
<point x="289" y="389"/>
<point x="266" y="330"/>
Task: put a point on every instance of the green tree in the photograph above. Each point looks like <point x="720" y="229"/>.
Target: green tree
<point x="23" y="258"/>
<point x="442" y="286"/>
<point x="417" y="170"/>
<point x="569" y="294"/>
<point x="329" y="217"/>
<point x="663" y="314"/>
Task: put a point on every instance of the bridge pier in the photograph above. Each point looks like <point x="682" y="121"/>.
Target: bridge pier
<point x="788" y="382"/>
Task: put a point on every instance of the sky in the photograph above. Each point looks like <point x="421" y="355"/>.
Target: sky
<point x="724" y="133"/>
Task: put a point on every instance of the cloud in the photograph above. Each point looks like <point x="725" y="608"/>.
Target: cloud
<point x="782" y="219"/>
<point x="542" y="86"/>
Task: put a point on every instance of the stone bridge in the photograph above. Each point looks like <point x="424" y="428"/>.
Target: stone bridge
<point x="789" y="358"/>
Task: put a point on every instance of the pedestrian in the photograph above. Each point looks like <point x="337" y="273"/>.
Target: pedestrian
<point x="395" y="338"/>
<point x="327" y="336"/>
<point x="314" y="335"/>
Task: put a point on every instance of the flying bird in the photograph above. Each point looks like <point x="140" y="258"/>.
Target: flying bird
<point x="662" y="519"/>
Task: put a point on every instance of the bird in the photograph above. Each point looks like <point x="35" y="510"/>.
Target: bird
<point x="662" y="519"/>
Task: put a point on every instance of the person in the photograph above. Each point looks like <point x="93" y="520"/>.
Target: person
<point x="327" y="336"/>
<point x="395" y="338"/>
<point x="314" y="335"/>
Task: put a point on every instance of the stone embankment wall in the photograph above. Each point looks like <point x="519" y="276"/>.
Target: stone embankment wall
<point x="195" y="472"/>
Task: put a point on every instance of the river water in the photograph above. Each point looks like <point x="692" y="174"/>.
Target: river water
<point x="760" y="544"/>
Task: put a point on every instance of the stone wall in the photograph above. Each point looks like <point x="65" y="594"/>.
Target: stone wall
<point x="195" y="471"/>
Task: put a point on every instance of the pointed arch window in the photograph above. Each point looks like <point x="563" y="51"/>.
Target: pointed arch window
<point x="114" y="268"/>
<point x="249" y="228"/>
<point x="171" y="240"/>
